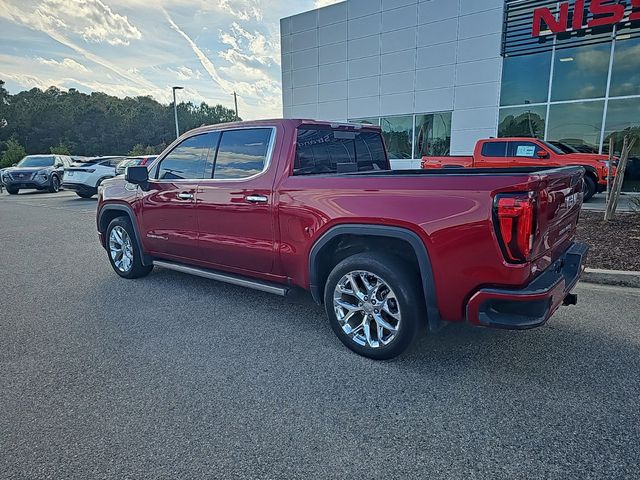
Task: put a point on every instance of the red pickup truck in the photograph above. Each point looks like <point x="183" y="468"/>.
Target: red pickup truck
<point x="526" y="152"/>
<point x="279" y="204"/>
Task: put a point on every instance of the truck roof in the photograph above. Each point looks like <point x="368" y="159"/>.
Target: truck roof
<point x="290" y="122"/>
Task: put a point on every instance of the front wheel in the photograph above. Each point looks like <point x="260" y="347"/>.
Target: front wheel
<point x="374" y="304"/>
<point x="54" y="187"/>
<point x="124" y="254"/>
<point x="84" y="194"/>
<point x="589" y="188"/>
<point x="12" y="191"/>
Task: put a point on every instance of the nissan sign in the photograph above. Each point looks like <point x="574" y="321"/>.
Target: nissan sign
<point x="573" y="17"/>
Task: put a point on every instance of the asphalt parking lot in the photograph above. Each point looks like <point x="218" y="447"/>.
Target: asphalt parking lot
<point x="173" y="376"/>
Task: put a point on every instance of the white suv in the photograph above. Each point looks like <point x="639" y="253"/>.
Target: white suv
<point x="85" y="176"/>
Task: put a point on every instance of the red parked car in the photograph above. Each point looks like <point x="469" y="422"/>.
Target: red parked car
<point x="527" y="152"/>
<point x="278" y="204"/>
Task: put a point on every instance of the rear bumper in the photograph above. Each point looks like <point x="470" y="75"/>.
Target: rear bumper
<point x="79" y="187"/>
<point x="533" y="305"/>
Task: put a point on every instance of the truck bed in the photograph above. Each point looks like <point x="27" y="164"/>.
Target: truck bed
<point x="451" y="208"/>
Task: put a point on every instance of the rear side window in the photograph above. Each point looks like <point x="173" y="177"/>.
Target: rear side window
<point x="494" y="149"/>
<point x="242" y="153"/>
<point x="189" y="160"/>
<point x="324" y="150"/>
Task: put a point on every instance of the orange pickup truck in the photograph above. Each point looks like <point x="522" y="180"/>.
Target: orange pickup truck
<point x="528" y="152"/>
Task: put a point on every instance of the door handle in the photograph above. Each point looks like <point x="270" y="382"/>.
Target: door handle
<point x="256" y="199"/>
<point x="185" y="196"/>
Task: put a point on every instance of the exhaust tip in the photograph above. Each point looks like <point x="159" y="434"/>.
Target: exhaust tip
<point x="570" y="299"/>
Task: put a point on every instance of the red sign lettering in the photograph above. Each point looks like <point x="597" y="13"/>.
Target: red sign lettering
<point x="607" y="14"/>
<point x="602" y="13"/>
<point x="635" y="13"/>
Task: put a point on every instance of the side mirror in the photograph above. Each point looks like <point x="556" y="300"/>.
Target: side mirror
<point x="14" y="164"/>
<point x="137" y="175"/>
<point x="542" y="154"/>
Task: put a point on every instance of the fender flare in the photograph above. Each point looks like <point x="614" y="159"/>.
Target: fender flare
<point x="418" y="246"/>
<point x="102" y="179"/>
<point x="588" y="170"/>
<point x="146" y="259"/>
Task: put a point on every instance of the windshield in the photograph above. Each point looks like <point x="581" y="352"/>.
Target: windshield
<point x="31" y="161"/>
<point x="555" y="149"/>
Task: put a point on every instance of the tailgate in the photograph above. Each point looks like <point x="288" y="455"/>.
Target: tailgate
<point x="560" y="201"/>
<point x="77" y="175"/>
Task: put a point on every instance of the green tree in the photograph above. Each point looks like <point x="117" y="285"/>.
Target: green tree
<point x="60" y="149"/>
<point x="137" y="150"/>
<point x="13" y="154"/>
<point x="97" y="123"/>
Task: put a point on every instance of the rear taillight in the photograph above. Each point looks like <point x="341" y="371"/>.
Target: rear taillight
<point x="515" y="225"/>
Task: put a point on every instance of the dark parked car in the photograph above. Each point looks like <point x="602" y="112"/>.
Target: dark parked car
<point x="40" y="172"/>
<point x="134" y="161"/>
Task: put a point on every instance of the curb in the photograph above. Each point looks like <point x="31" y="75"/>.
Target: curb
<point x="616" y="278"/>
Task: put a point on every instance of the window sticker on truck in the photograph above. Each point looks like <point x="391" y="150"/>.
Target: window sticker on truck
<point x="526" y="151"/>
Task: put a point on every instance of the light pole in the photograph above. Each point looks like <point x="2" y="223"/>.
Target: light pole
<point x="175" y="108"/>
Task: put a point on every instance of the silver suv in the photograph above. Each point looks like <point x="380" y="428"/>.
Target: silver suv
<point x="41" y="172"/>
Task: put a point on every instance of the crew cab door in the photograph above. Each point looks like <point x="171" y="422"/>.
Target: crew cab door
<point x="531" y="154"/>
<point x="236" y="207"/>
<point x="493" y="154"/>
<point x="169" y="223"/>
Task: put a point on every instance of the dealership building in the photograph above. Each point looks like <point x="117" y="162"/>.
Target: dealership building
<point x="437" y="75"/>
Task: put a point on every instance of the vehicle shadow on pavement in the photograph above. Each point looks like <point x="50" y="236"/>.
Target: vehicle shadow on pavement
<point x="563" y="353"/>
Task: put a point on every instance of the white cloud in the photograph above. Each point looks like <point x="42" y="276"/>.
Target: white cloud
<point x="251" y="47"/>
<point x="91" y="19"/>
<point x="47" y="24"/>
<point x="242" y="9"/>
<point x="67" y="63"/>
<point x="185" y="73"/>
<point x="324" y="3"/>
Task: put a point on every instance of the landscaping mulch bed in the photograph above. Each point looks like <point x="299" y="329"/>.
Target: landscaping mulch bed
<point x="614" y="245"/>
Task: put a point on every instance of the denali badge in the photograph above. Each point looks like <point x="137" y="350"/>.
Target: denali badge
<point x="571" y="200"/>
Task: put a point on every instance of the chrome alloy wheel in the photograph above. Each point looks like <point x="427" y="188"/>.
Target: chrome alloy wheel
<point x="120" y="249"/>
<point x="367" y="309"/>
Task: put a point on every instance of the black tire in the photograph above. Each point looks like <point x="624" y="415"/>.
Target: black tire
<point x="589" y="188"/>
<point x="136" y="269"/>
<point x="54" y="186"/>
<point x="402" y="279"/>
<point x="84" y="194"/>
<point x="12" y="191"/>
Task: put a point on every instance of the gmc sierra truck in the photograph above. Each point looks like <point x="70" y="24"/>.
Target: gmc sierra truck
<point x="274" y="205"/>
<point x="527" y="152"/>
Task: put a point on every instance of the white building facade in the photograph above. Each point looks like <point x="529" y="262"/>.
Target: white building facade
<point x="401" y="63"/>
<point x="437" y="75"/>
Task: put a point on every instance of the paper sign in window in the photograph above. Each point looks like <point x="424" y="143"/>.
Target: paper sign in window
<point x="526" y="151"/>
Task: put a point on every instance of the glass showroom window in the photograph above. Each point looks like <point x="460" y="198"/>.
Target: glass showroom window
<point x="578" y="124"/>
<point x="398" y="136"/>
<point x="526" y="121"/>
<point x="625" y="75"/>
<point x="581" y="72"/>
<point x="366" y="121"/>
<point x="433" y="134"/>
<point x="623" y="118"/>
<point x="525" y="79"/>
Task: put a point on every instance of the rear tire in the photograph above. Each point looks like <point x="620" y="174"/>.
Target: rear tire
<point x="123" y="251"/>
<point x="55" y="184"/>
<point x="84" y="194"/>
<point x="12" y="191"/>
<point x="387" y="297"/>
<point x="589" y="188"/>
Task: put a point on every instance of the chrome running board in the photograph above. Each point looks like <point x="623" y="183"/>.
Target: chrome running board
<point x="273" y="288"/>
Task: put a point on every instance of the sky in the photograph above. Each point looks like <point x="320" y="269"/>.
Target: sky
<point x="144" y="47"/>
